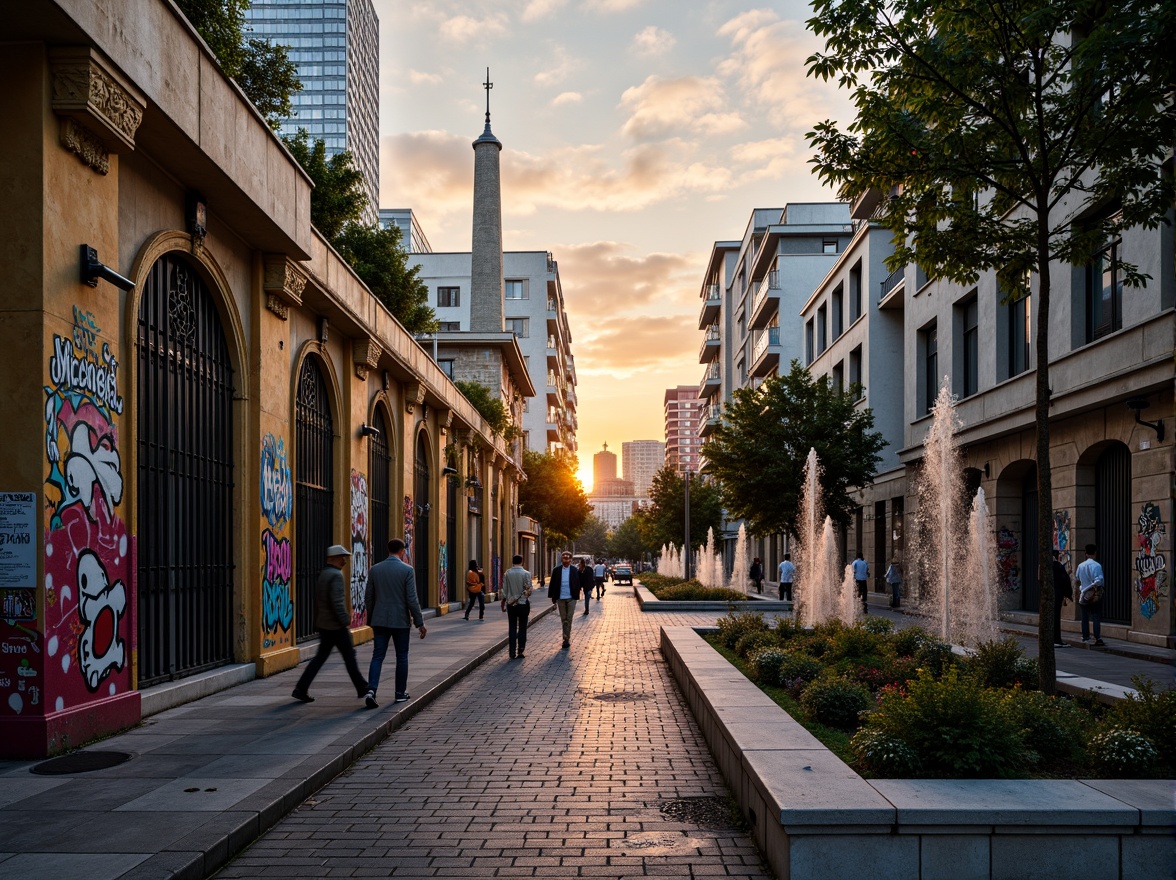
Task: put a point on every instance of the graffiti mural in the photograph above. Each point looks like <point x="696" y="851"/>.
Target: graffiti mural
<point x="1007" y="571"/>
<point x="88" y="631"/>
<point x="359" y="545"/>
<point x="1151" y="565"/>
<point x="277" y="501"/>
<point x="408" y="525"/>
<point x="442" y="574"/>
<point x="1061" y="536"/>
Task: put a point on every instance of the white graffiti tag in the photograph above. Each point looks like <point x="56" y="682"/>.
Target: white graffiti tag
<point x="86" y="465"/>
<point x="101" y="606"/>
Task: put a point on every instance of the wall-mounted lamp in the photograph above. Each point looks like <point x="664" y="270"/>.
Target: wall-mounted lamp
<point x="92" y="270"/>
<point x="1139" y="404"/>
<point x="366" y="430"/>
<point x="323" y="325"/>
<point x="448" y="471"/>
<point x="987" y="472"/>
<point x="197" y="218"/>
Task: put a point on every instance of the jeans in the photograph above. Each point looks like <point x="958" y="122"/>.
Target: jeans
<point x="785" y="589"/>
<point x="1091" y="610"/>
<point x="481" y="597"/>
<point x="587" y="598"/>
<point x="328" y="639"/>
<point x="567" y="610"/>
<point x="516" y="626"/>
<point x="863" y="592"/>
<point x="400" y="641"/>
<point x="895" y="594"/>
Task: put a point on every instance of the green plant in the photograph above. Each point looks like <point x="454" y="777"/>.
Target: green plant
<point x="491" y="408"/>
<point x="855" y="642"/>
<point x="797" y="670"/>
<point x="878" y="625"/>
<point x="753" y="641"/>
<point x="1151" y="712"/>
<point x="906" y="642"/>
<point x="1001" y="664"/>
<point x="693" y="591"/>
<point x="1123" y="753"/>
<point x="835" y="701"/>
<point x="1054" y="728"/>
<point x="764" y="664"/>
<point x="935" y="656"/>
<point x="883" y="754"/>
<point x="735" y="625"/>
<point x="788" y="628"/>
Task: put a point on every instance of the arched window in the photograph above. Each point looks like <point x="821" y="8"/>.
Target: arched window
<point x="379" y="487"/>
<point x="314" y="512"/>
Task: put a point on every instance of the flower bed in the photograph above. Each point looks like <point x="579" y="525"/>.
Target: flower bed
<point x="668" y="589"/>
<point x="900" y="704"/>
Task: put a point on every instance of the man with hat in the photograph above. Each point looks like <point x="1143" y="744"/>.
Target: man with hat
<point x="392" y="604"/>
<point x="333" y="625"/>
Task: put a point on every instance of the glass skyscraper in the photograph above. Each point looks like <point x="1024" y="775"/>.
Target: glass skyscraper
<point x="336" y="45"/>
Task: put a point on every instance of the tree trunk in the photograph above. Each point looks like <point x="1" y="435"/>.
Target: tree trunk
<point x="1047" y="667"/>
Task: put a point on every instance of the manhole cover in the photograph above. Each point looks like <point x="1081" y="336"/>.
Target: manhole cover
<point x="80" y="762"/>
<point x="621" y="697"/>
<point x="706" y="812"/>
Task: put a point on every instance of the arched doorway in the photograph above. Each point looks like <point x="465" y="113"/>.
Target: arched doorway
<point x="451" y="497"/>
<point x="314" y="510"/>
<point x="185" y="477"/>
<point x="379" y="487"/>
<point x="420" y="538"/>
<point x="1112" y="530"/>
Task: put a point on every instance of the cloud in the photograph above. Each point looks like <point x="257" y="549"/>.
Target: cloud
<point x="421" y="78"/>
<point x="689" y="104"/>
<point x="653" y="41"/>
<point x="607" y="278"/>
<point x="564" y="98"/>
<point x="558" y="69"/>
<point x="462" y="29"/>
<point x="539" y="9"/>
<point x="772" y="159"/>
<point x="644" y="346"/>
<point x="610" y="6"/>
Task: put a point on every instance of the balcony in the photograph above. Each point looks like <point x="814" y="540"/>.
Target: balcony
<point x="708" y="419"/>
<point x="890" y="291"/>
<point x="766" y="303"/>
<point x="711" y="380"/>
<point x="711" y="300"/>
<point x="765" y="355"/>
<point x="711" y="343"/>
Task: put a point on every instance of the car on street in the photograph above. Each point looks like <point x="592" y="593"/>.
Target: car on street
<point x="623" y="574"/>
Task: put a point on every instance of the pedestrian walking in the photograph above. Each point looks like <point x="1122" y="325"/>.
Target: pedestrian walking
<point x="516" y="602"/>
<point x="757" y="574"/>
<point x="564" y="592"/>
<point x="1063" y="593"/>
<point x="598" y="577"/>
<point x="1090" y="589"/>
<point x="787" y="575"/>
<point x="894" y="581"/>
<point x="476" y="588"/>
<point x="333" y="625"/>
<point x="392" y="605"/>
<point x="585" y="581"/>
<point x="861" y="577"/>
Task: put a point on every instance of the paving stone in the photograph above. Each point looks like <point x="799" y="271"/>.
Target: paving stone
<point x="54" y="866"/>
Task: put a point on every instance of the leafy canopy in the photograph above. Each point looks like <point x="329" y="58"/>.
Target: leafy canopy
<point x="630" y="540"/>
<point x="491" y="408"/>
<point x="757" y="454"/>
<point x="593" y="537"/>
<point x="667" y="510"/>
<point x="378" y="258"/>
<point x="552" y="494"/>
<point x="338" y="197"/>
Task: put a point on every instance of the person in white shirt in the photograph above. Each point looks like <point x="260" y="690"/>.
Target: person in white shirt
<point x="1090" y="586"/>
<point x="787" y="575"/>
<point x="563" y="589"/>
<point x="598" y="576"/>
<point x="861" y="577"/>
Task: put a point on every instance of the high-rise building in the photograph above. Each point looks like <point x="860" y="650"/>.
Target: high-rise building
<point x="336" y="47"/>
<point x="640" y="461"/>
<point x="682" y="409"/>
<point x="412" y="237"/>
<point x="612" y="498"/>
<point x="604" y="466"/>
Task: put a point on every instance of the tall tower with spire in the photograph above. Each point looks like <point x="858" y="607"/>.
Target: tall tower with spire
<point x="486" y="295"/>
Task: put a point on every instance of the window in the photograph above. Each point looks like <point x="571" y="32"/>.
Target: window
<point x="855" y="292"/>
<point x="446" y="367"/>
<point x="968" y="319"/>
<point x="929" y="342"/>
<point x="517" y="326"/>
<point x="448" y="297"/>
<point x="808" y="342"/>
<point x="516" y="289"/>
<point x="837" y="311"/>
<point x="855" y="372"/>
<point x="829" y="246"/>
<point x="1104" y="291"/>
<point x="1019" y="318"/>
<point x="839" y="377"/>
<point x="450" y="326"/>
<point x="822" y="329"/>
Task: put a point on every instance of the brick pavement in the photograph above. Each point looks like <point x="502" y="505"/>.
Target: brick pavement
<point x="557" y="765"/>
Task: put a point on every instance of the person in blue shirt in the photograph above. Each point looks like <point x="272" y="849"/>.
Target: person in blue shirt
<point x="861" y="576"/>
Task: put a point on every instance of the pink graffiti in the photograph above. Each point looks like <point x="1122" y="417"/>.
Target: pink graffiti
<point x="278" y="565"/>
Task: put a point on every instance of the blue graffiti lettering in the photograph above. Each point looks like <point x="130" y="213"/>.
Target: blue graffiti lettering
<point x="277" y="607"/>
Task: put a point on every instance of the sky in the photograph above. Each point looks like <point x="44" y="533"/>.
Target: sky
<point x="635" y="134"/>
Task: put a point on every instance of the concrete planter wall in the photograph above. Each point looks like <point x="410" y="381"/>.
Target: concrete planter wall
<point x="815" y="818"/>
<point x="649" y="602"/>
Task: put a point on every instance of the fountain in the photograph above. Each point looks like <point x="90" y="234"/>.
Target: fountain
<point x="850" y="604"/>
<point x="710" y="564"/>
<point x="819" y="577"/>
<point x="740" y="567"/>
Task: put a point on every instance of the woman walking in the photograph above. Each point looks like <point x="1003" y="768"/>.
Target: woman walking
<point x="476" y="587"/>
<point x="587" y="579"/>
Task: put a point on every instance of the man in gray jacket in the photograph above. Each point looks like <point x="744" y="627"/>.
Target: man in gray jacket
<point x="392" y="604"/>
<point x="333" y="625"/>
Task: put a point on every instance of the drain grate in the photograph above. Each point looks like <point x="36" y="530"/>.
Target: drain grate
<point x="621" y="697"/>
<point x="707" y="812"/>
<point x="80" y="762"/>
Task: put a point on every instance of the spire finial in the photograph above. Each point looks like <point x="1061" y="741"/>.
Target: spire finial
<point x="488" y="86"/>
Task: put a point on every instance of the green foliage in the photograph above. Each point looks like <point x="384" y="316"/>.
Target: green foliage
<point x="835" y="701"/>
<point x="380" y="260"/>
<point x="1126" y="754"/>
<point x="756" y="640"/>
<point x="593" y="537"/>
<point x="338" y="197"/>
<point x="883" y="754"/>
<point x="489" y="406"/>
<point x="1054" y="728"/>
<point x="935" y="656"/>
<point x="693" y="591"/>
<point x="667" y="509"/>
<point x="765" y="663"/>
<point x="552" y="494"/>
<point x="628" y="540"/>
<point x="797" y="670"/>
<point x="757" y="454"/>
<point x="906" y="642"/>
<point x="735" y="625"/>
<point x="855" y="642"/>
<point x="1152" y="713"/>
<point x="1001" y="664"/>
<point x="264" y="71"/>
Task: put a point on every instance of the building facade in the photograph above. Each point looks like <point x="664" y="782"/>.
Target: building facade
<point x="336" y="47"/>
<point x="612" y="498"/>
<point x="159" y="540"/>
<point x="640" y="461"/>
<point x="412" y="236"/>
<point x="682" y="412"/>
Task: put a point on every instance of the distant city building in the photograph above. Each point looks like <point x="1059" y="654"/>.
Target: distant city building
<point x="640" y="460"/>
<point x="336" y="47"/>
<point x="412" y="236"/>
<point x="604" y="475"/>
<point x="682" y="408"/>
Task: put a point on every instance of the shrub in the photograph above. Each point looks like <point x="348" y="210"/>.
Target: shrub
<point x="1001" y="665"/>
<point x="1054" y="728"/>
<point x="751" y="642"/>
<point x="883" y="754"/>
<point x="906" y="642"/>
<point x="894" y="671"/>
<point x="935" y="656"/>
<point x="734" y="626"/>
<point x="1123" y="753"/>
<point x="835" y="701"/>
<point x="879" y="625"/>
<point x="797" y="670"/>
<point x="765" y="664"/>
<point x="954" y="726"/>
<point x="693" y="591"/>
<point x="855" y="642"/>
<point x="789" y="628"/>
<point x="1153" y="714"/>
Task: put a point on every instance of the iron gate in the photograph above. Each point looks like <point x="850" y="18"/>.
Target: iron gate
<point x="420" y="538"/>
<point x="315" y="493"/>
<point x="379" y="467"/>
<point x="185" y="477"/>
<point x="1112" y="528"/>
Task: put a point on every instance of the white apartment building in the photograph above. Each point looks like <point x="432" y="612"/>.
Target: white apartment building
<point x="535" y="313"/>
<point x="640" y="461"/>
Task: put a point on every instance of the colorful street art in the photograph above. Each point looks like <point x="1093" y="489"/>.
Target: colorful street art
<point x="408" y="525"/>
<point x="359" y="545"/>
<point x="277" y="557"/>
<point x="87" y="636"/>
<point x="1150" y="564"/>
<point x="1061" y="537"/>
<point x="1007" y="571"/>
<point x="442" y="574"/>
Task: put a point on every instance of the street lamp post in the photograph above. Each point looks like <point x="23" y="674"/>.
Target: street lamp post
<point x="686" y="558"/>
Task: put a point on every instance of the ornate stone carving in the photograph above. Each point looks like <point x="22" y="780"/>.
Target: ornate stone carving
<point x="87" y="89"/>
<point x="88" y="147"/>
<point x="414" y="394"/>
<point x="277" y="305"/>
<point x="366" y="354"/>
<point x="445" y="421"/>
<point x="283" y="279"/>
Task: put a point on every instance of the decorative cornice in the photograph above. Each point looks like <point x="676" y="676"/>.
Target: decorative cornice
<point x="414" y="393"/>
<point x="366" y="354"/>
<point x="277" y="305"/>
<point x="283" y="279"/>
<point x="88" y="89"/>
<point x="79" y="139"/>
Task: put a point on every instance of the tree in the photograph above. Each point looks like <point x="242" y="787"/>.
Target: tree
<point x="552" y="494"/>
<point x="629" y="540"/>
<point x="378" y="258"/>
<point x="1008" y="137"/>
<point x="264" y="71"/>
<point x="338" y="197"/>
<point x="758" y="452"/>
<point x="667" y="510"/>
<point x="593" y="537"/>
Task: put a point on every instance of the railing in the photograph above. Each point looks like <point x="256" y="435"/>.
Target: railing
<point x="711" y="293"/>
<point x="892" y="281"/>
<point x="713" y="333"/>
<point x="774" y="279"/>
<point x="712" y="373"/>
<point x="767" y="336"/>
<point x="551" y="305"/>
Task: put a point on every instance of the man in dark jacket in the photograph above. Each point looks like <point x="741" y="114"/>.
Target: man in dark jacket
<point x="564" y="592"/>
<point x="1063" y="592"/>
<point x="333" y="625"/>
<point x="392" y="604"/>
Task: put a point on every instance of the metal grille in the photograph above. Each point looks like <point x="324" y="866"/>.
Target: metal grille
<point x="315" y="492"/>
<point x="379" y="498"/>
<point x="185" y="478"/>
<point x="420" y="539"/>
<point x="451" y="535"/>
<point x="1112" y="527"/>
<point x="1030" y="589"/>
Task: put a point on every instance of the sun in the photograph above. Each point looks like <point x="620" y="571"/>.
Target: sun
<point x="584" y="475"/>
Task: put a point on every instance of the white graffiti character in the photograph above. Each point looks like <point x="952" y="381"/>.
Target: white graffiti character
<point x="101" y="607"/>
<point x="86" y="465"/>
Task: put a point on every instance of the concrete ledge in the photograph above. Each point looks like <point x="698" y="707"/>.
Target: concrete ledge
<point x="175" y="693"/>
<point x="649" y="602"/>
<point x="814" y="817"/>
